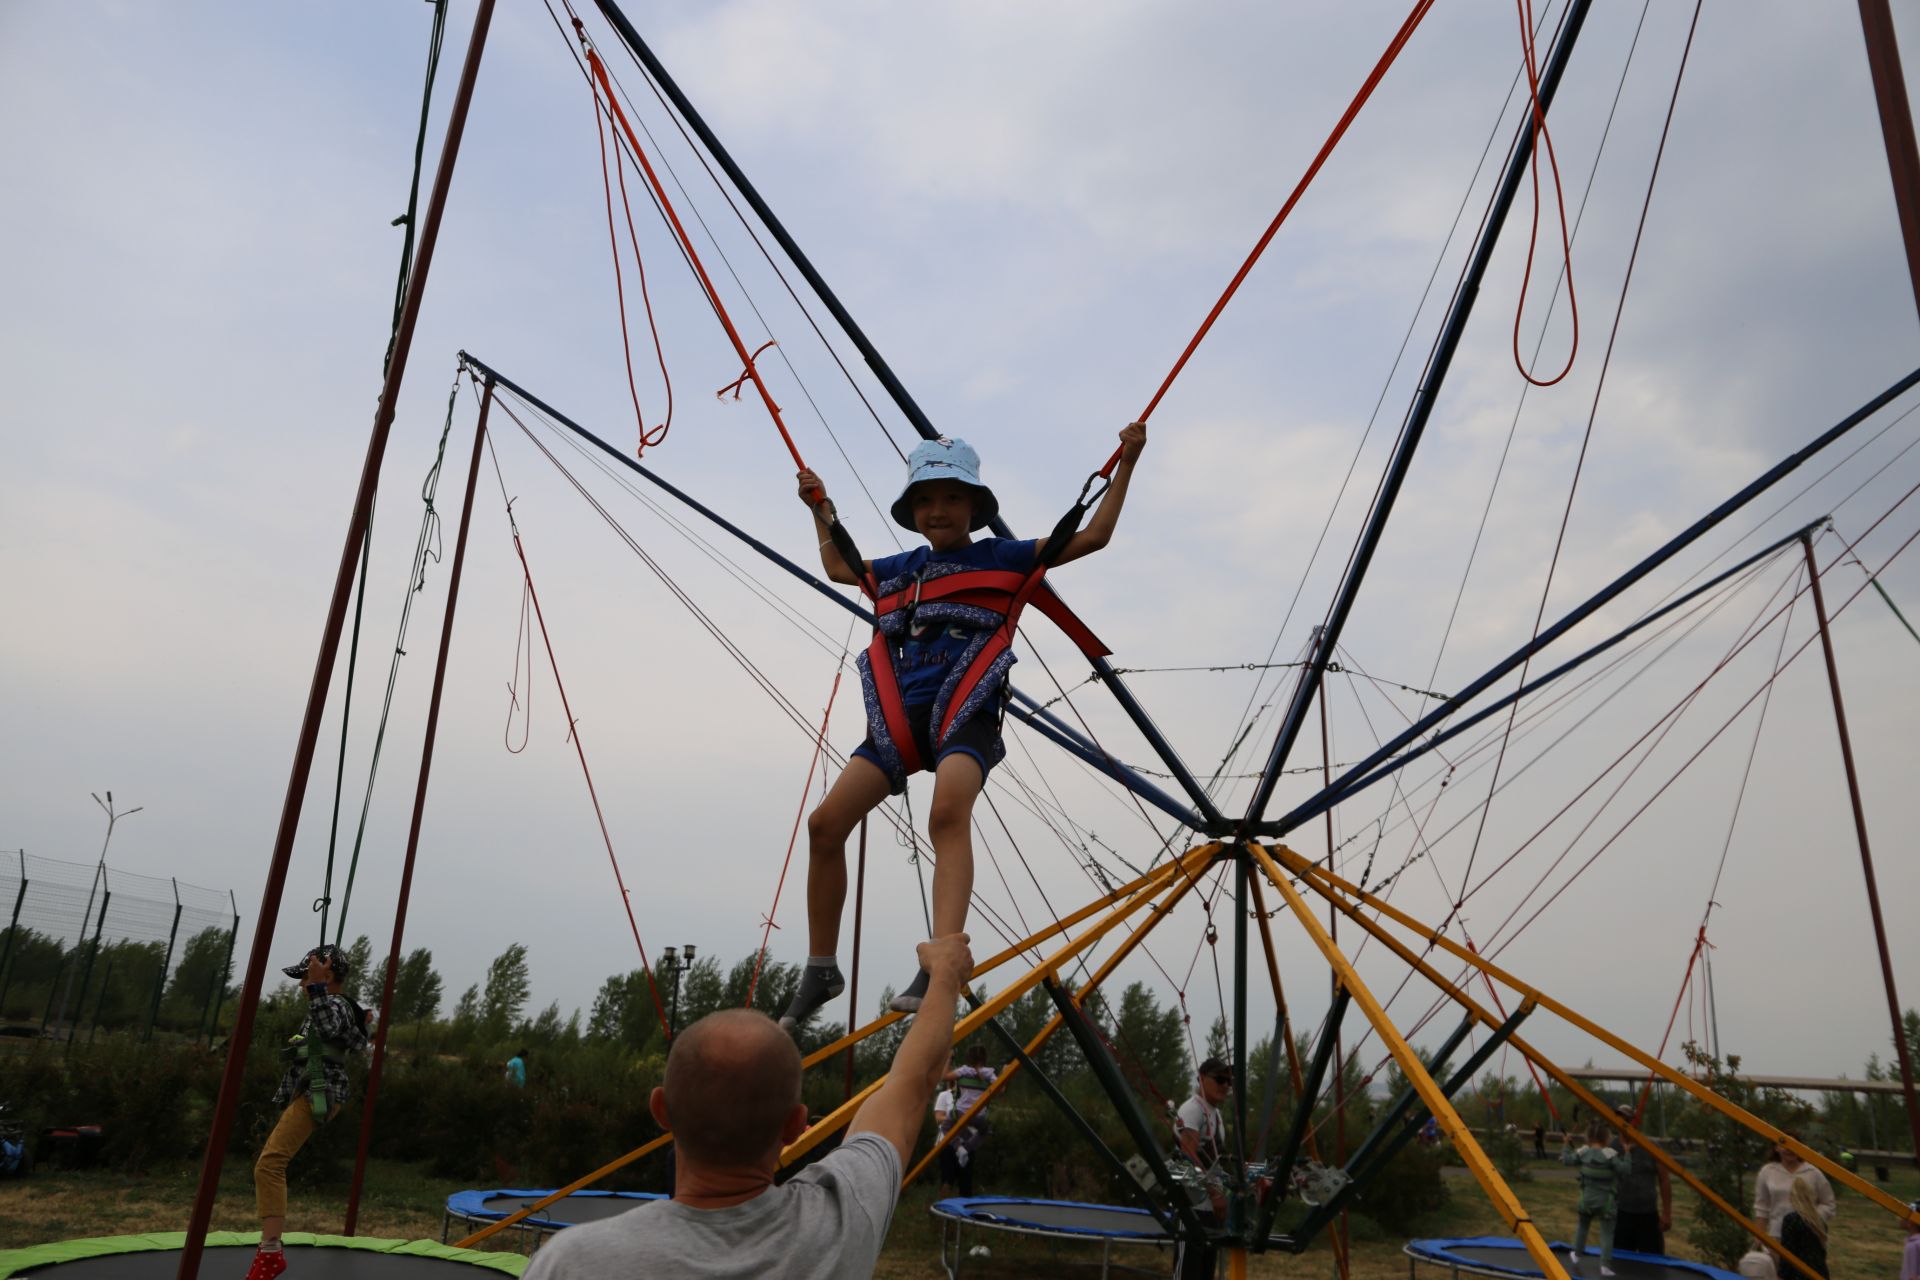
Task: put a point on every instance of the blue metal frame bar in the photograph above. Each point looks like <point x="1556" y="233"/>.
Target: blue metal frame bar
<point x="1417" y="417"/>
<point x="1340" y="790"/>
<point x="1036" y="718"/>
<point x="1345" y="784"/>
<point x="889" y="380"/>
<point x="1282" y="1165"/>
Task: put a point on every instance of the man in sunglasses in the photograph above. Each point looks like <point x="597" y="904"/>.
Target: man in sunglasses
<point x="1200" y="1131"/>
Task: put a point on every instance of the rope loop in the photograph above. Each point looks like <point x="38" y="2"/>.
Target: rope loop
<point x="746" y="374"/>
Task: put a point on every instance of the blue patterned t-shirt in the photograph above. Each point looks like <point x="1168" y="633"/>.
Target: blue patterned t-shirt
<point x="927" y="652"/>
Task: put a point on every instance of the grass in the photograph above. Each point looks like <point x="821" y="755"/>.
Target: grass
<point x="403" y="1202"/>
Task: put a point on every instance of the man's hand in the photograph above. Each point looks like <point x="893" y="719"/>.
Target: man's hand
<point x="947" y="957"/>
<point x="1133" y="438"/>
<point x="811" y="490"/>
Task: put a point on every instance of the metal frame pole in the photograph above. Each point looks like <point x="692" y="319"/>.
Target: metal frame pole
<point x="1866" y="852"/>
<point x="13" y="931"/>
<point x="224" y="973"/>
<point x="1372" y="770"/>
<point x="884" y="372"/>
<point x="1302" y="1113"/>
<point x="86" y="972"/>
<point x="1080" y="1123"/>
<point x="1896" y="127"/>
<point x="375" y="1071"/>
<point x="233" y="1077"/>
<point x="160" y="982"/>
<point x="1125" y="1104"/>
<point x="1419" y="412"/>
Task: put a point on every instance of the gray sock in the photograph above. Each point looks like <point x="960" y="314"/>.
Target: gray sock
<point x="823" y="962"/>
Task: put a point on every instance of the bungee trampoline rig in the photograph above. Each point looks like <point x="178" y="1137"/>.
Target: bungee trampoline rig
<point x="1248" y="849"/>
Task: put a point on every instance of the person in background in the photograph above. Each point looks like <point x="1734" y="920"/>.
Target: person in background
<point x="1200" y="1133"/>
<point x="1540" y="1139"/>
<point x="1910" y="1260"/>
<point x="1803" y="1232"/>
<point x="952" y="1174"/>
<point x="1773" y="1189"/>
<point x="732" y="1101"/>
<point x="1646" y="1196"/>
<point x="312" y="1091"/>
<point x="517" y="1070"/>
<point x="1757" y="1264"/>
<point x="1600" y="1168"/>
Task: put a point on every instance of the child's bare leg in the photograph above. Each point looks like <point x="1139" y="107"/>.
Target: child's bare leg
<point x="859" y="789"/>
<point x="956" y="785"/>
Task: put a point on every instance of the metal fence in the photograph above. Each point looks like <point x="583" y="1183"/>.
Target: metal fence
<point x="87" y="945"/>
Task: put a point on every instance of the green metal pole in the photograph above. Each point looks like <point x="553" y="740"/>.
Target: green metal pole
<point x="13" y="931"/>
<point x="160" y="979"/>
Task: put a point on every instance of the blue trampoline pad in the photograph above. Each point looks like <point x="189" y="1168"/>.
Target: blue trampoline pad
<point x="1502" y="1256"/>
<point x="1062" y="1217"/>
<point x="581" y="1206"/>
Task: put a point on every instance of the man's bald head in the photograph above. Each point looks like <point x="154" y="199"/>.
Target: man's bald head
<point x="733" y="1078"/>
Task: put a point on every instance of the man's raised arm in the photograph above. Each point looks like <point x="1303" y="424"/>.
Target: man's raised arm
<point x="895" y="1108"/>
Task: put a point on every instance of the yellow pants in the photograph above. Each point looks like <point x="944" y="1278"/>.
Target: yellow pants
<point x="270" y="1170"/>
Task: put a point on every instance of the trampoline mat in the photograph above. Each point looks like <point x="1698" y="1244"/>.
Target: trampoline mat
<point x="308" y="1262"/>
<point x="1495" y="1256"/>
<point x="1112" y="1221"/>
<point x="582" y="1206"/>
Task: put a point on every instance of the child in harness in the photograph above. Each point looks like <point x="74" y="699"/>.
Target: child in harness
<point x="934" y="681"/>
<point x="312" y="1091"/>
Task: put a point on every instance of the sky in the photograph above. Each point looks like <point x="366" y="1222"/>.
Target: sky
<point x="1029" y="208"/>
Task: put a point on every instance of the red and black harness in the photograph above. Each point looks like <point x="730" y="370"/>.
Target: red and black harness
<point x="1002" y="593"/>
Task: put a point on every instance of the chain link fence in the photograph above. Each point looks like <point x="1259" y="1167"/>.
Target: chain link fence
<point x="89" y="946"/>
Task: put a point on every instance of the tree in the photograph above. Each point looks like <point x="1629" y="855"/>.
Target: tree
<point x="506" y="992"/>
<point x="623" y="1012"/>
<point x="204" y="963"/>
<point x="466" y="1012"/>
<point x="358" y="985"/>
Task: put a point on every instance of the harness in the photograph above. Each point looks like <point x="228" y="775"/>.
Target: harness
<point x="990" y="600"/>
<point x="312" y="1057"/>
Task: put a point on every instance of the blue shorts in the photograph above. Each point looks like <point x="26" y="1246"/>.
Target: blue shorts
<point x="978" y="737"/>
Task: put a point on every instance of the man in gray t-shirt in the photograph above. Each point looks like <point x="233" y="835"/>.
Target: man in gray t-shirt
<point x="732" y="1100"/>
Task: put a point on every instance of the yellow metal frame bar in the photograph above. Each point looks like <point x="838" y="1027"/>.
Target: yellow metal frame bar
<point x="1586" y="1096"/>
<point x="1187" y="866"/>
<point x="1140" y="889"/>
<point x="1305" y="869"/>
<point x="1498" y="1192"/>
<point x="1155" y="914"/>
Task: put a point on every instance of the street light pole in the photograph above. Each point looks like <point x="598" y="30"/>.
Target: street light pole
<point x="675" y="963"/>
<point x="99" y="872"/>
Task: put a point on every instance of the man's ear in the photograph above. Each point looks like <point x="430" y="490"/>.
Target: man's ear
<point x="657" y="1105"/>
<point x="795" y="1124"/>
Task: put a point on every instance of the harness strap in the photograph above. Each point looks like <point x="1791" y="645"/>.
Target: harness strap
<point x="893" y="709"/>
<point x="996" y="589"/>
<point x="998" y="643"/>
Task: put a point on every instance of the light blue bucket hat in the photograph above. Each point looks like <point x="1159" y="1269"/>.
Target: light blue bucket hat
<point x="946" y="458"/>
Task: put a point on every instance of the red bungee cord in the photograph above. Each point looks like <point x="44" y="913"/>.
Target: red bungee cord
<point x="1372" y="81"/>
<point x="752" y="371"/>
<point x="1542" y="134"/>
<point x="659" y="433"/>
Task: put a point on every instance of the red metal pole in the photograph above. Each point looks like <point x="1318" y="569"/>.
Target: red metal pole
<point x="413" y="830"/>
<point x="853" y="988"/>
<point x="1866" y="855"/>
<point x="235" y="1072"/>
<point x="1896" y="127"/>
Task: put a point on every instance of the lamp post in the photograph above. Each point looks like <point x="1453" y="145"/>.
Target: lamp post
<point x="675" y="962"/>
<point x="99" y="872"/>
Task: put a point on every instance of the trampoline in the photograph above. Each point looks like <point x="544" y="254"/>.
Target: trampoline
<point x="478" y="1208"/>
<point x="1054" y="1219"/>
<point x="1501" y="1256"/>
<point x="311" y="1257"/>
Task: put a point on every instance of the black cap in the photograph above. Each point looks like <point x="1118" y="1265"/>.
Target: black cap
<point x="1215" y="1067"/>
<point x="335" y="959"/>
